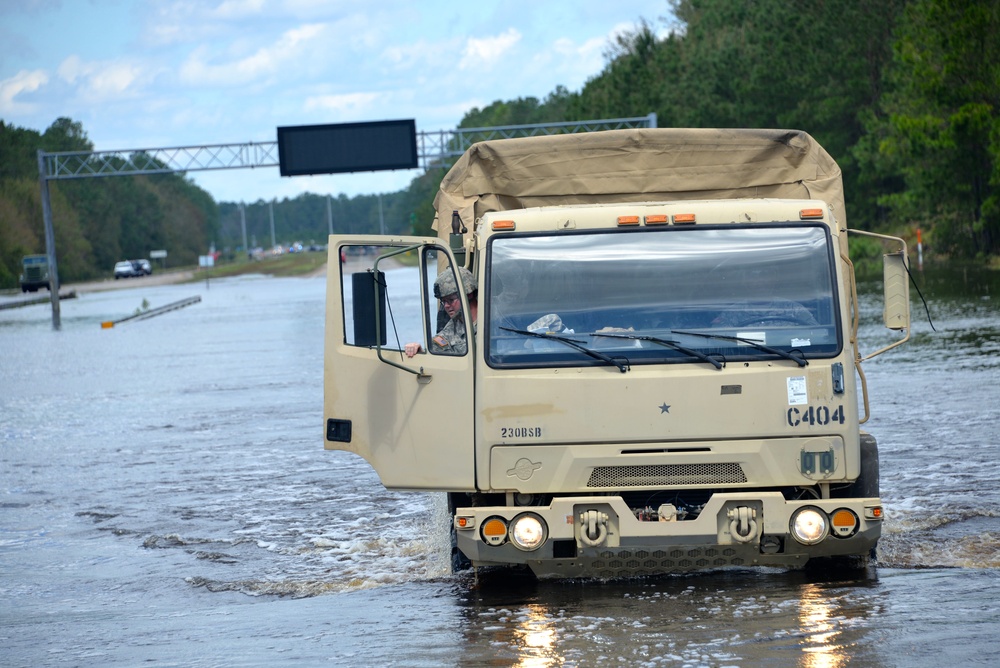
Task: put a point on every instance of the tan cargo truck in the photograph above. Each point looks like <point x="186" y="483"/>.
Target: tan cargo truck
<point x="662" y="371"/>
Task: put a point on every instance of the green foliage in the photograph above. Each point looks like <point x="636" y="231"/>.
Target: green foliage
<point x="937" y="128"/>
<point x="97" y="222"/>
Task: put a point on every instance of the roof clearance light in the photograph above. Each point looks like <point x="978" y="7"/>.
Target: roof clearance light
<point x="494" y="531"/>
<point x="628" y="220"/>
<point x="503" y="225"/>
<point x="683" y="218"/>
<point x="806" y="214"/>
<point x="809" y="525"/>
<point x="657" y="219"/>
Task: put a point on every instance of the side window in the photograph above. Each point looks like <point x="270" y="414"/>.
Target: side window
<point x="396" y="286"/>
<point x="412" y="298"/>
<point x="446" y="334"/>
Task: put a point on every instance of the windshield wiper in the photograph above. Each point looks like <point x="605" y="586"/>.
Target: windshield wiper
<point x="669" y="344"/>
<point x="788" y="355"/>
<point x="573" y="343"/>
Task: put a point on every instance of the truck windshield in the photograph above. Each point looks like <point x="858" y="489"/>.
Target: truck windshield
<point x="702" y="295"/>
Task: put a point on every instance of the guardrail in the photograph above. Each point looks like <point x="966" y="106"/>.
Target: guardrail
<point x="142" y="315"/>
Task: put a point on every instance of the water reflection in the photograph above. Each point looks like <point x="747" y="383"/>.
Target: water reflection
<point x="820" y="623"/>
<point x="535" y="635"/>
<point x="816" y="619"/>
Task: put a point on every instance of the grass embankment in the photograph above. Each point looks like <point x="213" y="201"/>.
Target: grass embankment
<point x="289" y="264"/>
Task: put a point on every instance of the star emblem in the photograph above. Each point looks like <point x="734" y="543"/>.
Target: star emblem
<point x="664" y="408"/>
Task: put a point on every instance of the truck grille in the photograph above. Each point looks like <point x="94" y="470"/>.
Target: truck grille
<point x="666" y="474"/>
<point x="622" y="563"/>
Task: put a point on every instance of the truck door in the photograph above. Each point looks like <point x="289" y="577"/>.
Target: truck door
<point x="411" y="418"/>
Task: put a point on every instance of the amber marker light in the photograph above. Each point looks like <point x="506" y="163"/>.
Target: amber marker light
<point x="494" y="531"/>
<point x="657" y="219"/>
<point x="873" y="512"/>
<point x="806" y="214"/>
<point x="683" y="218"/>
<point x="626" y="221"/>
<point x="844" y="523"/>
<point x="502" y="225"/>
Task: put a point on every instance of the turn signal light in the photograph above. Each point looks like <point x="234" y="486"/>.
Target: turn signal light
<point x="498" y="225"/>
<point x="806" y="214"/>
<point x="628" y="220"/>
<point x="494" y="531"/>
<point x="844" y="523"/>
<point x="683" y="218"/>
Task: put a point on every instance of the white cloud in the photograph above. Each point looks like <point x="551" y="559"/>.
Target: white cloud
<point x="231" y="9"/>
<point x="282" y="55"/>
<point x="356" y="104"/>
<point x="487" y="51"/>
<point x="22" y="82"/>
<point x="99" y="80"/>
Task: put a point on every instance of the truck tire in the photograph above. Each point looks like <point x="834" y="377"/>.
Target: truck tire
<point x="865" y="487"/>
<point x="867" y="484"/>
<point x="459" y="562"/>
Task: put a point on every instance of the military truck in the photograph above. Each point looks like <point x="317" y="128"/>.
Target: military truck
<point x="35" y="273"/>
<point x="664" y="373"/>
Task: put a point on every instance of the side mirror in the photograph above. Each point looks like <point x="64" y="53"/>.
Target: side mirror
<point x="896" y="282"/>
<point x="368" y="292"/>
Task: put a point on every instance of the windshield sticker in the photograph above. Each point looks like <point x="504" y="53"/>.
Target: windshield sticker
<point x="797" y="391"/>
<point x="801" y="343"/>
<point x="756" y="337"/>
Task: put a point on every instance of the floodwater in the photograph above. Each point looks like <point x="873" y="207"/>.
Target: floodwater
<point x="165" y="499"/>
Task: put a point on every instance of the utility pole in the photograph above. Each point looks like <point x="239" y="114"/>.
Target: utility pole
<point x="381" y="221"/>
<point x="270" y="206"/>
<point x="329" y="214"/>
<point x="243" y="224"/>
<point x="50" y="242"/>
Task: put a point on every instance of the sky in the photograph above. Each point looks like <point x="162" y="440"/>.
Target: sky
<point x="141" y="74"/>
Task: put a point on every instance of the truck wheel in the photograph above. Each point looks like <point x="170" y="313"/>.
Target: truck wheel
<point x="459" y="562"/>
<point x="867" y="484"/>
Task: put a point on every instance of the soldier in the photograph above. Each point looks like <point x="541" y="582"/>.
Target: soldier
<point x="451" y="339"/>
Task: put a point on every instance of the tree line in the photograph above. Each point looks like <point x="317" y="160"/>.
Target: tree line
<point x="902" y="93"/>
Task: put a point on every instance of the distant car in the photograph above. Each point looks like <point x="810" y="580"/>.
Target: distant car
<point x="125" y="269"/>
<point x="142" y="267"/>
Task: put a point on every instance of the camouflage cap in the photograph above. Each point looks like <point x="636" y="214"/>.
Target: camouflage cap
<point x="444" y="285"/>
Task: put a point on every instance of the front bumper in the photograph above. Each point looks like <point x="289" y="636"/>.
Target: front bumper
<point x="599" y="536"/>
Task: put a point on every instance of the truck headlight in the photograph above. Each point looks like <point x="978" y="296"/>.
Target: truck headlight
<point x="528" y="531"/>
<point x="809" y="525"/>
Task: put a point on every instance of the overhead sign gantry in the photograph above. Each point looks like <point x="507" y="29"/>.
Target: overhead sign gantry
<point x="389" y="145"/>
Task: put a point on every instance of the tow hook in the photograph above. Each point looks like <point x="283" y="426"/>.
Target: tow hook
<point x="743" y="523"/>
<point x="593" y="527"/>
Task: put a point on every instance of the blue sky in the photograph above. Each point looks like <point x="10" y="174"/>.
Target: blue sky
<point x="165" y="73"/>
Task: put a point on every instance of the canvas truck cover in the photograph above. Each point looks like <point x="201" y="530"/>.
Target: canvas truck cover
<point x="637" y="166"/>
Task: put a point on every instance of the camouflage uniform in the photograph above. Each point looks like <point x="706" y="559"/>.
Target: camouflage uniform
<point x="452" y="339"/>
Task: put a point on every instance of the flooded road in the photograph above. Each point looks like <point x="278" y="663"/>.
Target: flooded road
<point x="165" y="497"/>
